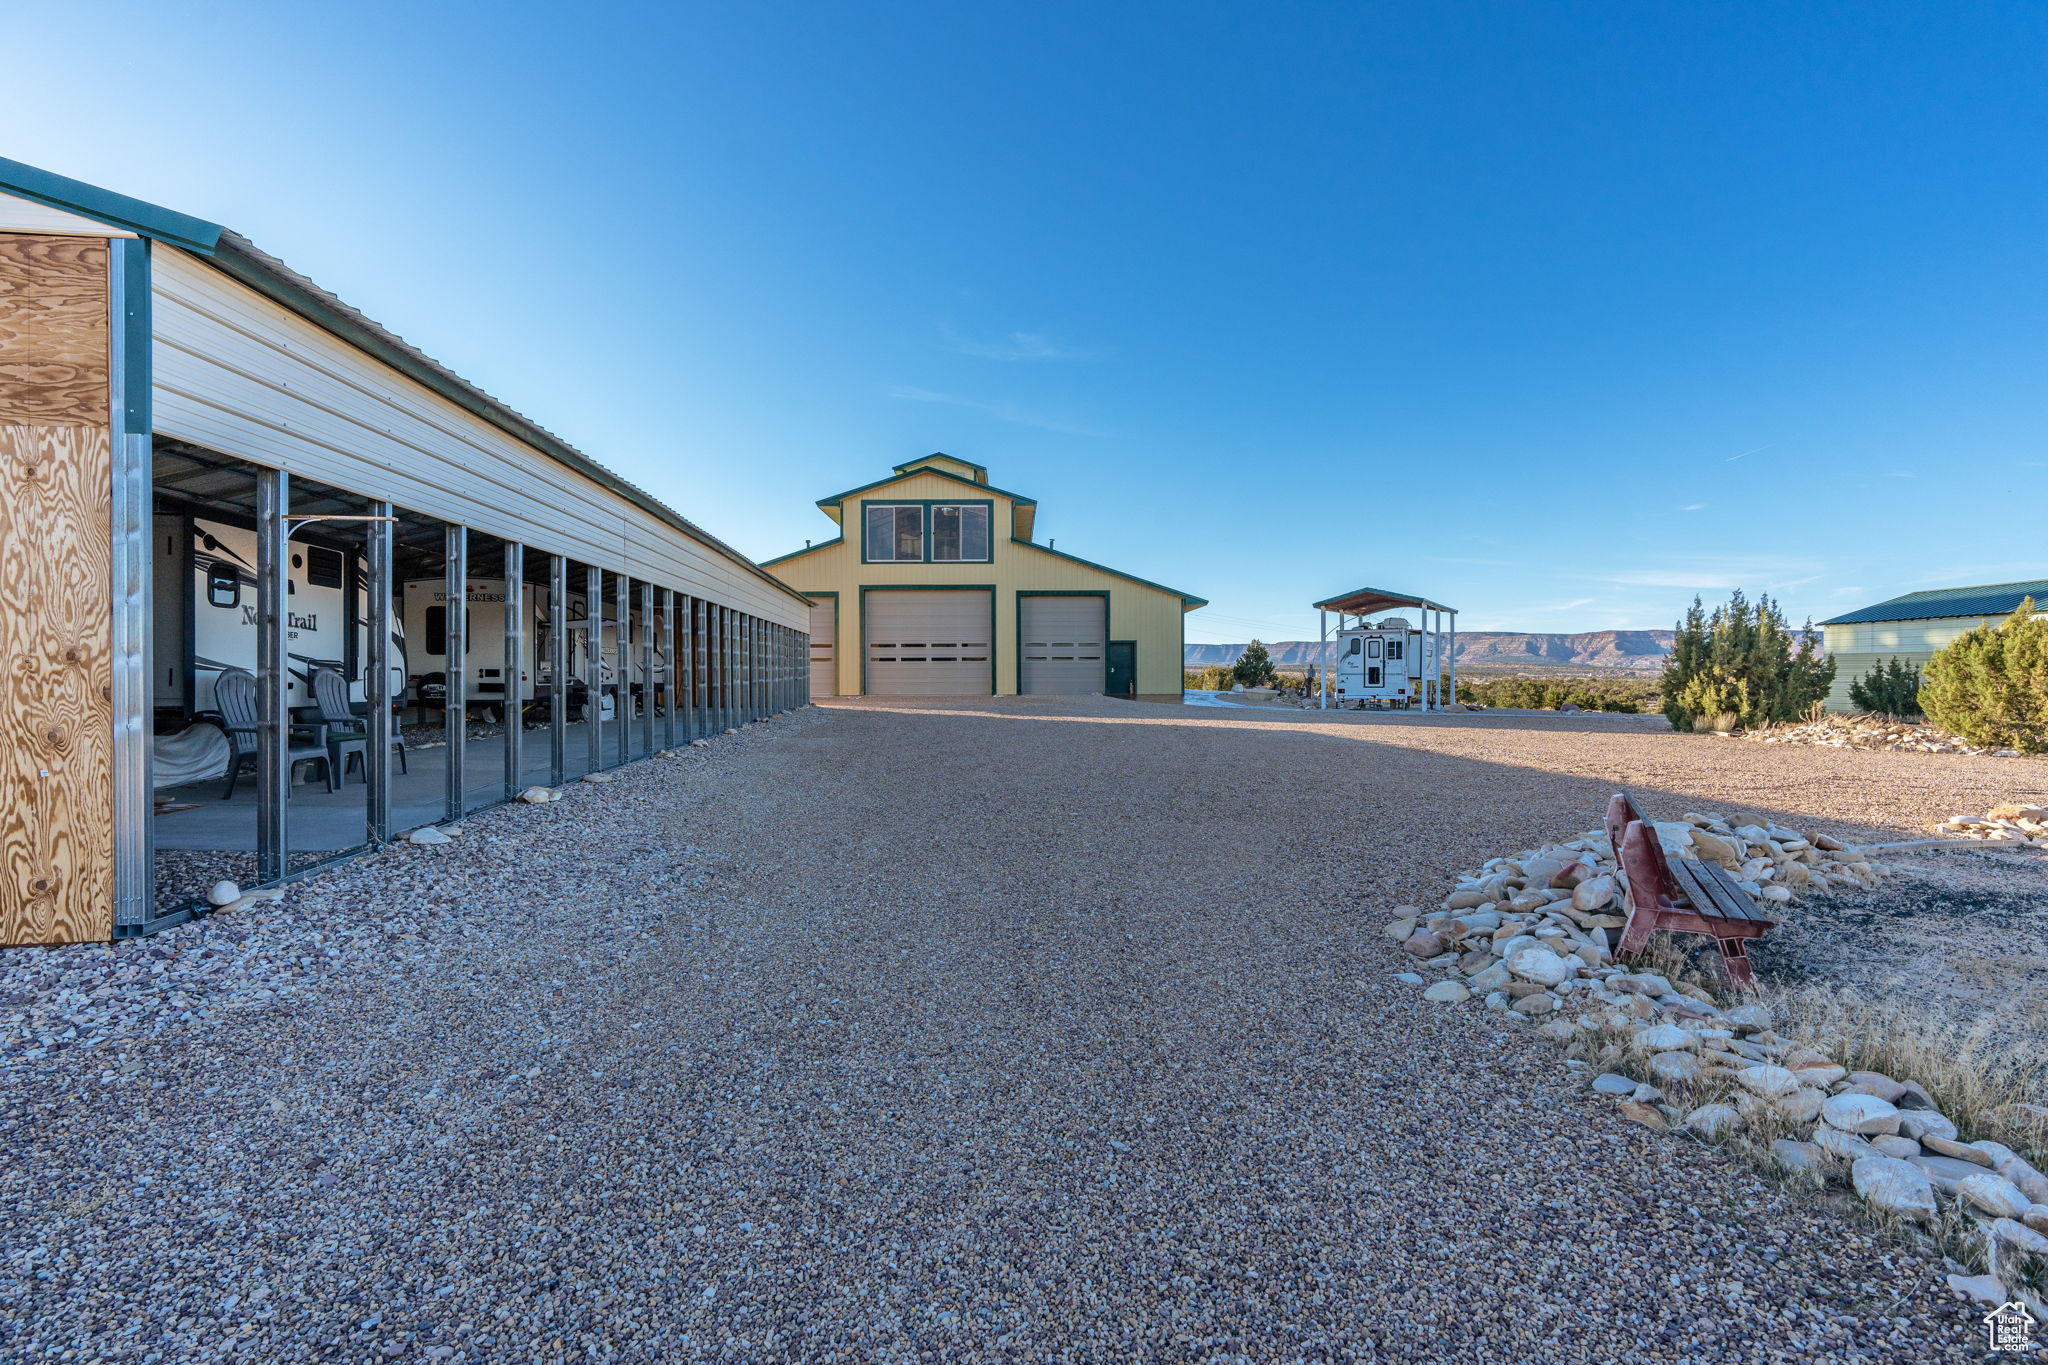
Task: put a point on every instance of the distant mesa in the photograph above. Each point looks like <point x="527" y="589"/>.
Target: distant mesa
<point x="1619" y="651"/>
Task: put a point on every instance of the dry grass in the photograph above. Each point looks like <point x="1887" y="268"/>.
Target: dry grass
<point x="1976" y="1068"/>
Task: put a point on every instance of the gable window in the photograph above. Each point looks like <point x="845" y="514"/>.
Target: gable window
<point x="960" y="534"/>
<point x="895" y="532"/>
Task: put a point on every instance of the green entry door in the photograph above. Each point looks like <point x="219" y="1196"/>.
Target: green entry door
<point x="1123" y="668"/>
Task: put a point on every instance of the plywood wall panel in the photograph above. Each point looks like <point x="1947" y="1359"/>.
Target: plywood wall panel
<point x="53" y="330"/>
<point x="56" y="593"/>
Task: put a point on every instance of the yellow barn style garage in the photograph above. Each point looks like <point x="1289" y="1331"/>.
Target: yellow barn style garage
<point x="934" y="587"/>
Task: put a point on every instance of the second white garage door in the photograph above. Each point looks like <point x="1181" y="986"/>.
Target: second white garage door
<point x="1065" y="643"/>
<point x="930" y="643"/>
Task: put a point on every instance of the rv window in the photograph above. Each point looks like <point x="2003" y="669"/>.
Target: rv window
<point x="1394" y="649"/>
<point x="437" y="631"/>
<point x="323" y="568"/>
<point x="1356" y="645"/>
<point x="223" y="585"/>
<point x="1372" y="677"/>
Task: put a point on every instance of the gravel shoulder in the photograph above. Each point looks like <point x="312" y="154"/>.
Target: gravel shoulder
<point x="1004" y="1029"/>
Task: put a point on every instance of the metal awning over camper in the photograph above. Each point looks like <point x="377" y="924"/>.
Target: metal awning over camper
<point x="1366" y="601"/>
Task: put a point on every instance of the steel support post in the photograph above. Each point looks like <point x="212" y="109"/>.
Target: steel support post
<point x="455" y="669"/>
<point x="623" y="664"/>
<point x="377" y="692"/>
<point x="515" y="665"/>
<point x="1323" y="636"/>
<point x="691" y="635"/>
<point x="593" y="651"/>
<point x="1453" y="660"/>
<point x="646" y="669"/>
<point x="128" y="374"/>
<point x="674" y="669"/>
<point x="273" y="676"/>
<point x="558" y="669"/>
<point x="686" y="663"/>
<point x="715" y="668"/>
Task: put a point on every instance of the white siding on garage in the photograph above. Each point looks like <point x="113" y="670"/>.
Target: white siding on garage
<point x="825" y="647"/>
<point x="239" y="374"/>
<point x="930" y="643"/>
<point x="1065" y="644"/>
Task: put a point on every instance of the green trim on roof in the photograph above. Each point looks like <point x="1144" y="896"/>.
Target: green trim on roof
<point x="1188" y="599"/>
<point x="837" y="498"/>
<point x="133" y="215"/>
<point x="794" y="554"/>
<point x="940" y="455"/>
<point x="1987" y="599"/>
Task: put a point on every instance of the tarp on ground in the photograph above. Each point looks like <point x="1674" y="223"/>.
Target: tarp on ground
<point x="193" y="754"/>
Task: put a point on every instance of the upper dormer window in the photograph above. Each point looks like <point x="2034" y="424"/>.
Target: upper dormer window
<point x="895" y="532"/>
<point x="960" y="533"/>
<point x="925" y="533"/>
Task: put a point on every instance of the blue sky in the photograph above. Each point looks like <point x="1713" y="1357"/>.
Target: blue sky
<point x="1558" y="312"/>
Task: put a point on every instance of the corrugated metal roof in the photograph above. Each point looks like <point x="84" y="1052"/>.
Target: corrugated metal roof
<point x="1992" y="599"/>
<point x="237" y="256"/>
<point x="1365" y="601"/>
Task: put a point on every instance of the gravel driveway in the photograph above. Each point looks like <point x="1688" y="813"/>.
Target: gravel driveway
<point x="1006" y="1030"/>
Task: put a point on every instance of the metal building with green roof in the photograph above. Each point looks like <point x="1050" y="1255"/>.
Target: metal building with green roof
<point x="1913" y="627"/>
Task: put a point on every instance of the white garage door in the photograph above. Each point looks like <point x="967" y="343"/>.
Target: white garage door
<point x="1065" y="641"/>
<point x="824" y="651"/>
<point x="933" y="643"/>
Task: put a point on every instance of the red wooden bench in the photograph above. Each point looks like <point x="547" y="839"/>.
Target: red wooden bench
<point x="1681" y="895"/>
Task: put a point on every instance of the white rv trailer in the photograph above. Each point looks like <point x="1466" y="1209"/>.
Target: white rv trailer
<point x="425" y="613"/>
<point x="1383" y="662"/>
<point x="205" y="596"/>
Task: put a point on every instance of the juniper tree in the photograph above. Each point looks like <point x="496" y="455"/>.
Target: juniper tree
<point x="1254" y="667"/>
<point x="1740" y="665"/>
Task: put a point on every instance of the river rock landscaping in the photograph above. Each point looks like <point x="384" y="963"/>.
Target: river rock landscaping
<point x="1532" y="936"/>
<point x="2016" y="822"/>
<point x="1861" y="730"/>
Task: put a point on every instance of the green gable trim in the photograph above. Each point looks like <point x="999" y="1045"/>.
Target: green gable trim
<point x="837" y="498"/>
<point x="939" y="455"/>
<point x="1991" y="599"/>
<point x="799" y="554"/>
<point x="1186" y="598"/>
<point x="117" y="210"/>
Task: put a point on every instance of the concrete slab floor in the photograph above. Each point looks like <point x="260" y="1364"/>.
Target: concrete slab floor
<point x="321" y="821"/>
